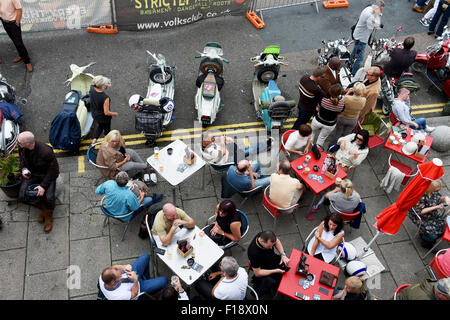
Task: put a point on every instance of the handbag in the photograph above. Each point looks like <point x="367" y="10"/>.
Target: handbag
<point x="327" y="279"/>
<point x="353" y="29"/>
<point x="316" y="151"/>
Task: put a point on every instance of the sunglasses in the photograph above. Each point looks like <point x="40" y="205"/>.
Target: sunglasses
<point x="360" y="139"/>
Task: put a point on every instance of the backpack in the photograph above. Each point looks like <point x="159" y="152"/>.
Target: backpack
<point x="65" y="131"/>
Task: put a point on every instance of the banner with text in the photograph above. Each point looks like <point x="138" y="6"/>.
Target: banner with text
<point x="140" y="15"/>
<point x="45" y="15"/>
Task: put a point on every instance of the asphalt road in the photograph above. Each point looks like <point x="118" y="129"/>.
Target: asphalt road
<point x="122" y="57"/>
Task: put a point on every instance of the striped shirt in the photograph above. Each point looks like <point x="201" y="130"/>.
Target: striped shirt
<point x="328" y="111"/>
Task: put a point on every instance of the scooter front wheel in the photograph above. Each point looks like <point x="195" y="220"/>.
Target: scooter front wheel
<point x="419" y="67"/>
<point x="157" y="76"/>
<point x="267" y="73"/>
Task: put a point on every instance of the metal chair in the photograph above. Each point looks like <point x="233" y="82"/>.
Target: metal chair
<point x="377" y="139"/>
<point x="393" y="119"/>
<point x="245" y="226"/>
<point x="252" y="291"/>
<point x="273" y="210"/>
<point x="101" y="296"/>
<point x="244" y="194"/>
<point x="407" y="170"/>
<point x="346" y="217"/>
<point x="400" y="288"/>
<point x="92" y="156"/>
<point x="108" y="215"/>
<point x="221" y="167"/>
<point x="307" y="246"/>
<point x="434" y="267"/>
<point x="284" y="139"/>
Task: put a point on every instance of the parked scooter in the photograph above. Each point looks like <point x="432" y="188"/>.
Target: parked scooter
<point x="209" y="83"/>
<point x="155" y="111"/>
<point x="338" y="48"/>
<point x="10" y="117"/>
<point x="435" y="63"/>
<point x="270" y="105"/>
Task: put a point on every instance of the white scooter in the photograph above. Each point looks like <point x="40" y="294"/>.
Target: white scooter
<point x="9" y="128"/>
<point x="209" y="83"/>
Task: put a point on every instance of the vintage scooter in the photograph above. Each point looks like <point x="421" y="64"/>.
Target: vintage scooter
<point x="270" y="105"/>
<point x="10" y="117"/>
<point x="155" y="111"/>
<point x="337" y="48"/>
<point x="209" y="83"/>
<point x="435" y="63"/>
<point x="80" y="83"/>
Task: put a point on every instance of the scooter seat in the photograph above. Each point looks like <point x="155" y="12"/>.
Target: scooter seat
<point x="209" y="86"/>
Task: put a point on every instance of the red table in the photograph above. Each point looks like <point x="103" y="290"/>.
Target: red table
<point x="289" y="282"/>
<point x="398" y="148"/>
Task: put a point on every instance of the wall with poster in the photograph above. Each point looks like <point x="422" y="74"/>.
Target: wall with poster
<point x="141" y="15"/>
<point x="45" y="15"/>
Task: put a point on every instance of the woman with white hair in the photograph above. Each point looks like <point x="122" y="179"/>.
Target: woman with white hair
<point x="101" y="106"/>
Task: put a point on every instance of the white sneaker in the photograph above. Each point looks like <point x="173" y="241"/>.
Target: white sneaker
<point x="429" y="129"/>
<point x="425" y="22"/>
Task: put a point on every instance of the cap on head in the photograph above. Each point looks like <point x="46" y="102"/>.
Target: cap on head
<point x="443" y="286"/>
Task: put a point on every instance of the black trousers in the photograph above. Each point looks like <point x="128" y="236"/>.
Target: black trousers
<point x="15" y="34"/>
<point x="263" y="285"/>
<point x="102" y="127"/>
<point x="48" y="198"/>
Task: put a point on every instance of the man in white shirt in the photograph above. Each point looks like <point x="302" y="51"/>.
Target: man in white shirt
<point x="285" y="191"/>
<point x="402" y="110"/>
<point x="369" y="20"/>
<point x="299" y="142"/>
<point x="231" y="285"/>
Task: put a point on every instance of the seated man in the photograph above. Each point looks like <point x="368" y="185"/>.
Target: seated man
<point x="168" y="220"/>
<point x="427" y="290"/>
<point x="230" y="283"/>
<point x="299" y="142"/>
<point x="247" y="176"/>
<point x="39" y="166"/>
<point x="125" y="282"/>
<point x="401" y="59"/>
<point x="402" y="110"/>
<point x="220" y="149"/>
<point x="120" y="200"/>
<point x="285" y="191"/>
<point x="267" y="266"/>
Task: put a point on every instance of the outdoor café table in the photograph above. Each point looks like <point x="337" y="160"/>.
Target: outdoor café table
<point x="398" y="147"/>
<point x="289" y="284"/>
<point x="314" y="185"/>
<point x="206" y="252"/>
<point x="170" y="163"/>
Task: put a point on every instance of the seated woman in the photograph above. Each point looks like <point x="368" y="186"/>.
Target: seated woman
<point x="433" y="222"/>
<point x="114" y="155"/>
<point x="227" y="226"/>
<point x="299" y="142"/>
<point x="342" y="199"/>
<point x="353" y="149"/>
<point x="327" y="237"/>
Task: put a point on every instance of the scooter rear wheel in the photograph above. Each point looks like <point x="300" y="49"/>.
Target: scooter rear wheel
<point x="157" y="76"/>
<point x="419" y="67"/>
<point x="267" y="73"/>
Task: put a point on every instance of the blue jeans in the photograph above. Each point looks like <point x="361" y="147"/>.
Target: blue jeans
<point x="420" y="3"/>
<point x="436" y="17"/>
<point x="263" y="180"/>
<point x="303" y="117"/>
<point x="142" y="269"/>
<point x="247" y="151"/>
<point x="357" y="55"/>
<point x="422" y="122"/>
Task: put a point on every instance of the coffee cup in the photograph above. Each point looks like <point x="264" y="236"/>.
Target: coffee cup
<point x="392" y="139"/>
<point x="306" y="170"/>
<point x="395" y="142"/>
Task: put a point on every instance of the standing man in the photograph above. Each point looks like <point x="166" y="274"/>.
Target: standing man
<point x="310" y="95"/>
<point x="401" y="59"/>
<point x="373" y="87"/>
<point x="444" y="10"/>
<point x="331" y="75"/>
<point x="39" y="166"/>
<point x="11" y="15"/>
<point x="369" y="20"/>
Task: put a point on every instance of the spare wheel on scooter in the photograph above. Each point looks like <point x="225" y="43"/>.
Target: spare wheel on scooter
<point x="211" y="65"/>
<point x="157" y="76"/>
<point x="267" y="73"/>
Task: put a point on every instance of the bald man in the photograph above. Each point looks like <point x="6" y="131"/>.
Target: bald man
<point x="331" y="75"/>
<point x="247" y="176"/>
<point x="168" y="220"/>
<point x="39" y="166"/>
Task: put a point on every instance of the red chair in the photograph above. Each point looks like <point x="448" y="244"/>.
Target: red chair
<point x="403" y="286"/>
<point x="407" y="170"/>
<point x="436" y="268"/>
<point x="375" y="140"/>
<point x="393" y="119"/>
<point x="284" y="138"/>
<point x="346" y="217"/>
<point x="273" y="209"/>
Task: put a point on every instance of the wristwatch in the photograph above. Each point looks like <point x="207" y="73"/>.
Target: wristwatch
<point x="283" y="253"/>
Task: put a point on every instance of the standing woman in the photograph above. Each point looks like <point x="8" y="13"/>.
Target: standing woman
<point x="325" y="120"/>
<point x="100" y="103"/>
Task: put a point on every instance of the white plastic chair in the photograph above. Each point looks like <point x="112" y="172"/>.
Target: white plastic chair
<point x="310" y="238"/>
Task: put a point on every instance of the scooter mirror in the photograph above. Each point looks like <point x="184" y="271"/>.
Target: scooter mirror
<point x="196" y="57"/>
<point x="280" y="58"/>
<point x="225" y="60"/>
<point x="254" y="59"/>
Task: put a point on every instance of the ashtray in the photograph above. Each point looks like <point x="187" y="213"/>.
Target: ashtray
<point x="310" y="277"/>
<point x="190" y="262"/>
<point x="404" y="135"/>
<point x="316" y="168"/>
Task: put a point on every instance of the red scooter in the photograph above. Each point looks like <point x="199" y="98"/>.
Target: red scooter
<point x="435" y="63"/>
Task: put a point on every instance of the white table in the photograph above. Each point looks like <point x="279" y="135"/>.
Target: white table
<point x="206" y="251"/>
<point x="170" y="163"/>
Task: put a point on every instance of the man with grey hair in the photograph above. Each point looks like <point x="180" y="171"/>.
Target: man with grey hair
<point x="427" y="290"/>
<point x="39" y="167"/>
<point x="369" y="20"/>
<point x="168" y="220"/>
<point x="229" y="283"/>
<point x="120" y="200"/>
<point x="285" y="191"/>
